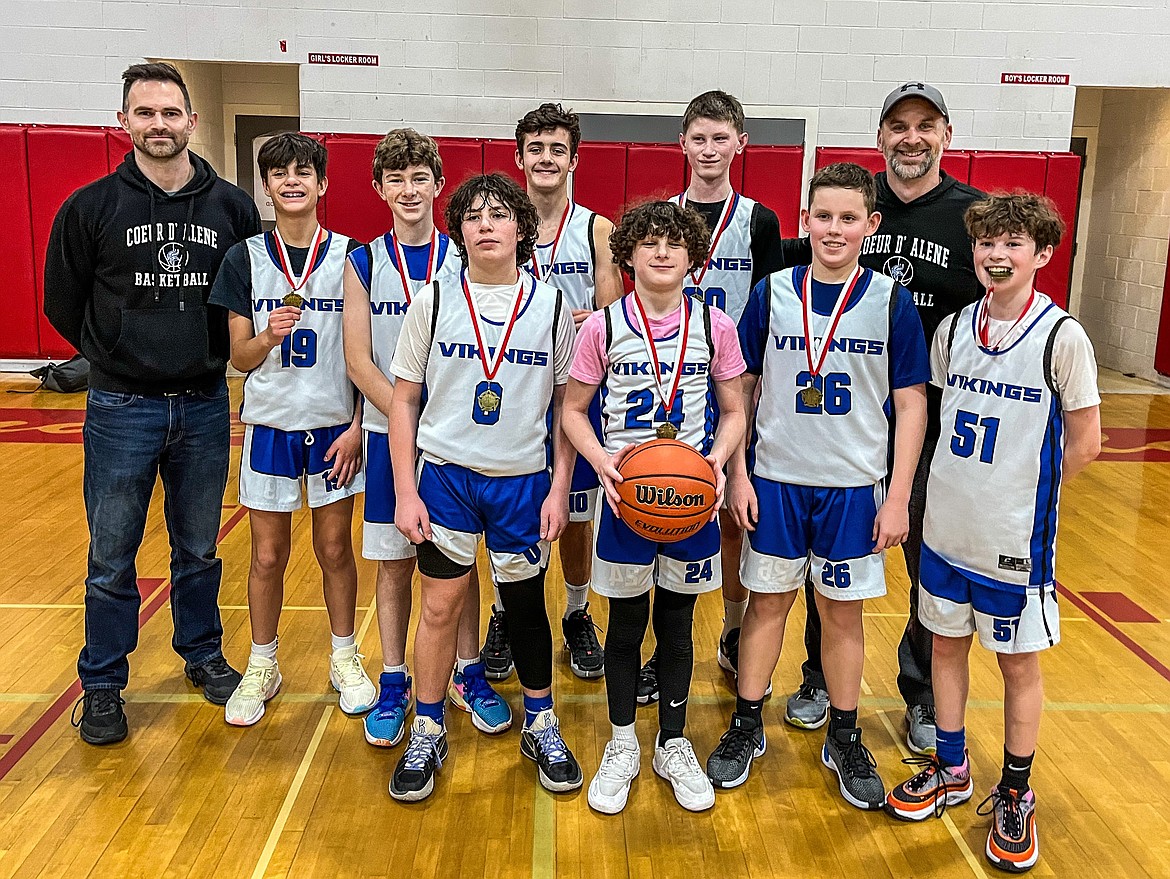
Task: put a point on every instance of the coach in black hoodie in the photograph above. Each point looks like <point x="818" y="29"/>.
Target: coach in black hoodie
<point x="129" y="267"/>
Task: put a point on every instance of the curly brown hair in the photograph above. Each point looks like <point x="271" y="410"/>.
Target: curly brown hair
<point x="548" y="117"/>
<point x="504" y="191"/>
<point x="403" y="147"/>
<point x="1006" y="213"/>
<point x="654" y="219"/>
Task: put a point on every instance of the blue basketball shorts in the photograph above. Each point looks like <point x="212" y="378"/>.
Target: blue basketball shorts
<point x="275" y="464"/>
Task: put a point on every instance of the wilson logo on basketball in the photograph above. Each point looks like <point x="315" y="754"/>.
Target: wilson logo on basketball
<point x="666" y="497"/>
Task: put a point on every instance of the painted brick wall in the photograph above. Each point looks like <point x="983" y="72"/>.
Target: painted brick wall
<point x="468" y="66"/>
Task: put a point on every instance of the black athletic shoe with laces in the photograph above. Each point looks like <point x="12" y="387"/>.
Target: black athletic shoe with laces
<point x="854" y="767"/>
<point x="648" y="681"/>
<point x="496" y="654"/>
<point x="586" y="658"/>
<point x="218" y="679"/>
<point x="102" y="720"/>
<point x="731" y="761"/>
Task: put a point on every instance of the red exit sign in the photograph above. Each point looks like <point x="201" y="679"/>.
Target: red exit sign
<point x="1034" y="78"/>
<point x="340" y="58"/>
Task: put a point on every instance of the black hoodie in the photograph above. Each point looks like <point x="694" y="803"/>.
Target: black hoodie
<point x="128" y="271"/>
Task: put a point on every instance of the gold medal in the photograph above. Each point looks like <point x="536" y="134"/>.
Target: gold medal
<point x="296" y="300"/>
<point x="666" y="430"/>
<point x="811" y="397"/>
<point x="488" y="401"/>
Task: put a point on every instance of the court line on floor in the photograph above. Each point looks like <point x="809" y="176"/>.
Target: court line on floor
<point x="544" y="834"/>
<point x="1133" y="646"/>
<point x="294" y="789"/>
<point x="53" y="713"/>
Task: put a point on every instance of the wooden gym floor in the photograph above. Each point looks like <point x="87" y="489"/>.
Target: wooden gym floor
<point x="302" y="794"/>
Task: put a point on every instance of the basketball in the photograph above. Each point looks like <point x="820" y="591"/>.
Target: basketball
<point x="668" y="490"/>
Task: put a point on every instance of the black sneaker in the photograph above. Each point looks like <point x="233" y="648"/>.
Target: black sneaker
<point x="730" y="762"/>
<point x="648" y="681"/>
<point x="728" y="655"/>
<point x="496" y="654"/>
<point x="218" y="679"/>
<point x="541" y="742"/>
<point x="854" y="767"/>
<point x="414" y="776"/>
<point x="586" y="658"/>
<point x="102" y="720"/>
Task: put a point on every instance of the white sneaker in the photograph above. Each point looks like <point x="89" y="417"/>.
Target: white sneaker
<point x="611" y="785"/>
<point x="676" y="762"/>
<point x="261" y="681"/>
<point x="358" y="692"/>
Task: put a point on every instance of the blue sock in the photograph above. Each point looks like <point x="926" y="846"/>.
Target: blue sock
<point x="433" y="710"/>
<point x="951" y="746"/>
<point x="533" y="705"/>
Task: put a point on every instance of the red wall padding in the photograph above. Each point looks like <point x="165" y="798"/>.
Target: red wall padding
<point x="50" y="162"/>
<point x="1056" y="175"/>
<point x="19" y="314"/>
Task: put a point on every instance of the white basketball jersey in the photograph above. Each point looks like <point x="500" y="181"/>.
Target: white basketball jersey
<point x="572" y="271"/>
<point x="388" y="306"/>
<point x="301" y="384"/>
<point x="727" y="281"/>
<point x="842" y="440"/>
<point x="994" y="485"/>
<point x="500" y="436"/>
<point x="631" y="408"/>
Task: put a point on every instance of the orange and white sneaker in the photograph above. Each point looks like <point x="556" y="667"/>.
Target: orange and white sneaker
<point x="930" y="791"/>
<point x="1012" y="844"/>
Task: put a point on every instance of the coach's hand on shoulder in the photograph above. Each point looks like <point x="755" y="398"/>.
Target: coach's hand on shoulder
<point x="346" y="455"/>
<point x="891" y="525"/>
<point x="608" y="473"/>
<point x="412" y="519"/>
<point x="742" y="502"/>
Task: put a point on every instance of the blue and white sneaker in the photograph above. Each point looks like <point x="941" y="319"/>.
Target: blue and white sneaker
<point x="471" y="692"/>
<point x="386" y="723"/>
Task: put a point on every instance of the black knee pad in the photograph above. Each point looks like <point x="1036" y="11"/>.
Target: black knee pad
<point x="528" y="631"/>
<point x="434" y="563"/>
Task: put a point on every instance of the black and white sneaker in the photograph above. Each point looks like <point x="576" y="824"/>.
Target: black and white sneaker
<point x="414" y="776"/>
<point x="586" y="658"/>
<point x="496" y="654"/>
<point x="731" y="761"/>
<point x="648" y="681"/>
<point x="855" y="769"/>
<point x="728" y="655"/>
<point x="102" y="720"/>
<point x="541" y="742"/>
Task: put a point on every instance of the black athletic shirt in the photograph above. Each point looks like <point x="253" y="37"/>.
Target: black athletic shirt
<point x="764" y="231"/>
<point x="233" y="284"/>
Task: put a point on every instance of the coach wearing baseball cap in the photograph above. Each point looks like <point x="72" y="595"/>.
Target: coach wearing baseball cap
<point x="923" y="245"/>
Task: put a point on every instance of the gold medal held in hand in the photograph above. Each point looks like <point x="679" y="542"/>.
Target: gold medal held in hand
<point x="488" y="401"/>
<point x="296" y="300"/>
<point x="812" y="397"/>
<point x="666" y="430"/>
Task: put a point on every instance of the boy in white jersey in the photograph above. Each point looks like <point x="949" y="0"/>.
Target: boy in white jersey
<point x="744" y="248"/>
<point x="572" y="253"/>
<point x="492" y="351"/>
<point x="832" y="345"/>
<point x="1021" y="406"/>
<point x="381" y="279"/>
<point x="283" y="292"/>
<point x="662" y="359"/>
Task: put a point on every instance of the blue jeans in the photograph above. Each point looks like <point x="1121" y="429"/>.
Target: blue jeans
<point x="129" y="440"/>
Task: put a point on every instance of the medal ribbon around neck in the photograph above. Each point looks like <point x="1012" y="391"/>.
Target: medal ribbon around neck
<point x="720" y="228"/>
<point x="680" y="350"/>
<point x="556" y="242"/>
<point x="404" y="272"/>
<point x="296" y="282"/>
<point x="984" y="321"/>
<point x="816" y="354"/>
<point x="490" y="368"/>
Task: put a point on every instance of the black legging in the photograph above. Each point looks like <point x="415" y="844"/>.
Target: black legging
<point x="528" y="631"/>
<point x="674" y="615"/>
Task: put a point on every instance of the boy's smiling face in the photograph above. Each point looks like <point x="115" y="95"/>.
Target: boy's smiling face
<point x="837" y="222"/>
<point x="1008" y="261"/>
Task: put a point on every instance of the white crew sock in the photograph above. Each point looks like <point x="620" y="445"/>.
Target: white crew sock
<point x="575" y="597"/>
<point x="391" y="669"/>
<point x="461" y="664"/>
<point x="625" y="735"/>
<point x="733" y="612"/>
<point x="265" y="651"/>
<point x="342" y="642"/>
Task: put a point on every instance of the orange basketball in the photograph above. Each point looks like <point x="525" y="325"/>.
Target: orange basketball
<point x="668" y="490"/>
